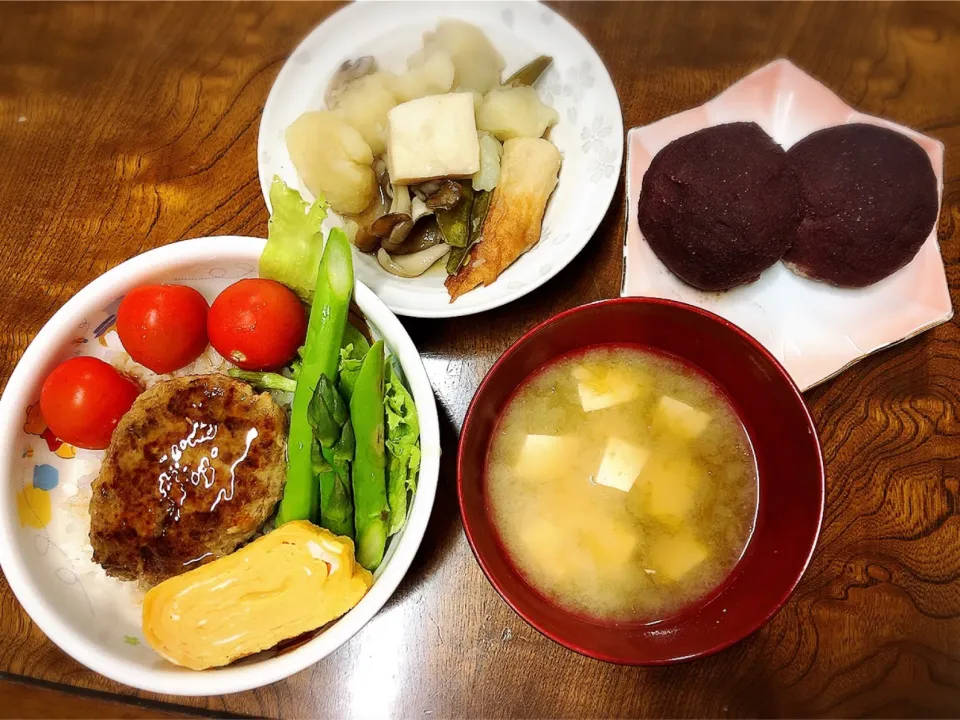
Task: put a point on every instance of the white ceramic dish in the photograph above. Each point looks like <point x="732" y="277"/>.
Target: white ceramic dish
<point x="589" y="134"/>
<point x="814" y="329"/>
<point x="96" y="619"/>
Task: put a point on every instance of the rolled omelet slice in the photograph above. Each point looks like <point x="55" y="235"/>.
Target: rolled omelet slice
<point x="288" y="582"/>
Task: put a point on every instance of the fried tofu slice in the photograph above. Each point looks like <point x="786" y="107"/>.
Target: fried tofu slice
<point x="528" y="176"/>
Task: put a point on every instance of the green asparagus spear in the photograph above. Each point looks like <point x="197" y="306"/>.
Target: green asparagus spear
<point x="320" y="464"/>
<point x="336" y="503"/>
<point x="327" y="412"/>
<point x="264" y="380"/>
<point x="369" y="466"/>
<point x="329" y="417"/>
<point x="321" y="356"/>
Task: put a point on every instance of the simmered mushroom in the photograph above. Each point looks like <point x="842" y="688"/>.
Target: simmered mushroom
<point x="365" y="239"/>
<point x="409" y="266"/>
<point x="425" y="234"/>
<point x="446" y="196"/>
<point x="393" y="228"/>
<point x="401" y="199"/>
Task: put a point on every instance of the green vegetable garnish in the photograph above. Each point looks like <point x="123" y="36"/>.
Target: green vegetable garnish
<point x="455" y="223"/>
<point x="354" y="350"/>
<point x="351" y="360"/>
<point x="402" y="445"/>
<point x="294" y="241"/>
<point x="321" y="356"/>
<point x="352" y="336"/>
<point x="529" y="73"/>
<point x="369" y="466"/>
<point x="478" y="213"/>
<point x="264" y="380"/>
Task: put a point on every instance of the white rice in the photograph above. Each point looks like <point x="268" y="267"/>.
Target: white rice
<point x="210" y="361"/>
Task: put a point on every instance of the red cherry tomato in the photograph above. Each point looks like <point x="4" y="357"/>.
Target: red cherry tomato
<point x="257" y="324"/>
<point x="163" y="327"/>
<point x="83" y="399"/>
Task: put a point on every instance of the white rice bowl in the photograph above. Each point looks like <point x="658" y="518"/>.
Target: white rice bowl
<point x="97" y="619"/>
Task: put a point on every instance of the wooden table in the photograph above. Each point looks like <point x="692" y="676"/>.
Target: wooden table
<point x="127" y="126"/>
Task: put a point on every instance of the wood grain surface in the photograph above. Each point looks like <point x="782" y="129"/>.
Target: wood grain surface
<point x="127" y="126"/>
<point x="25" y="698"/>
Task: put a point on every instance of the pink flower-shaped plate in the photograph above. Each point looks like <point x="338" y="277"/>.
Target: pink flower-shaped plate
<point x="814" y="329"/>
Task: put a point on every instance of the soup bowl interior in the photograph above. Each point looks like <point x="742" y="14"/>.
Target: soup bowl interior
<point x="45" y="486"/>
<point x="789" y="464"/>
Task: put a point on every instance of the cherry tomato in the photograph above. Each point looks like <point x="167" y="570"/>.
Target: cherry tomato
<point x="163" y="327"/>
<point x="257" y="324"/>
<point x="83" y="399"/>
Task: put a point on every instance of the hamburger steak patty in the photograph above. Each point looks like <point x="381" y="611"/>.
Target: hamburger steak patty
<point x="193" y="470"/>
<point x="720" y="205"/>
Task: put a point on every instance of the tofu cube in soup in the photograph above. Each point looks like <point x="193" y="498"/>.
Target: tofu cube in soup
<point x="621" y="464"/>
<point x="672" y="557"/>
<point x="545" y="456"/>
<point x="612" y="544"/>
<point x="681" y="419"/>
<point x="546" y="545"/>
<point x="645" y="484"/>
<point x="599" y="391"/>
<point x="432" y="137"/>
<point x="672" y="484"/>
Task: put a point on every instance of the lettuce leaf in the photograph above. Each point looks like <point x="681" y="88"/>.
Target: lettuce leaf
<point x="352" y="336"/>
<point x="402" y="446"/>
<point x="294" y="241"/>
<point x="351" y="359"/>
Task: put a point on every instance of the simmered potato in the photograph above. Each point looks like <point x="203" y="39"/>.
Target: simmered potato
<point x="333" y="159"/>
<point x="364" y="104"/>
<point x="515" y="112"/>
<point x="477" y="62"/>
<point x="431" y="73"/>
<point x="487" y="177"/>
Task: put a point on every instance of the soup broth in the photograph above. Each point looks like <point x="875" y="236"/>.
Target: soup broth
<point x="622" y="483"/>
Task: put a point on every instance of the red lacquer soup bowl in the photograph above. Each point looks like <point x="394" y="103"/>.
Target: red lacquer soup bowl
<point x="789" y="463"/>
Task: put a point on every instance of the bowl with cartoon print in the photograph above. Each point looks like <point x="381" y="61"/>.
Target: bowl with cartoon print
<point x="45" y="488"/>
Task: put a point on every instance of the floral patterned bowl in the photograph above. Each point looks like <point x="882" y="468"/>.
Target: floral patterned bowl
<point x="589" y="134"/>
<point x="813" y="329"/>
<point x="45" y="488"/>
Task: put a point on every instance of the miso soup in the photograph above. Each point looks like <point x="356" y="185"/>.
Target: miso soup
<point x="622" y="483"/>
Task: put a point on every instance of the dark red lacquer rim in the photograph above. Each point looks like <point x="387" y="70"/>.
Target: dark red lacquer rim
<point x="468" y="521"/>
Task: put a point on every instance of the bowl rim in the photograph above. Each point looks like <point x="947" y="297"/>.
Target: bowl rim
<point x="174" y="680"/>
<point x="469" y="525"/>
<point x="444" y="309"/>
